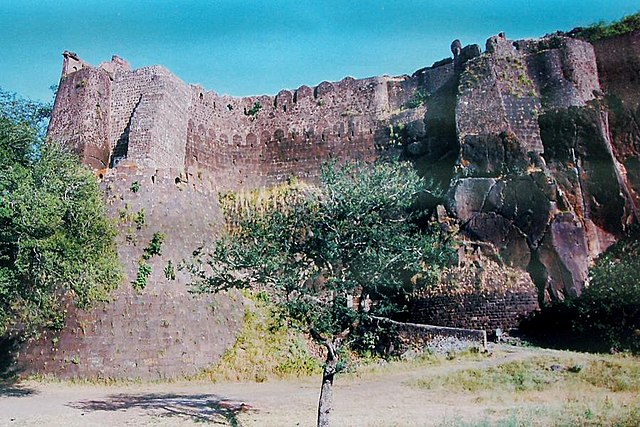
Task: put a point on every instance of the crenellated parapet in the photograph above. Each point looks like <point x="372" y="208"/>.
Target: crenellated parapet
<point x="150" y="118"/>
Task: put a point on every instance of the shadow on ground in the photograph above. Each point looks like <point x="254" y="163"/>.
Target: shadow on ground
<point x="9" y="373"/>
<point x="14" y="390"/>
<point x="206" y="408"/>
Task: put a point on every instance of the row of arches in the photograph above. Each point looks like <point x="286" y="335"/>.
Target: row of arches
<point x="323" y="132"/>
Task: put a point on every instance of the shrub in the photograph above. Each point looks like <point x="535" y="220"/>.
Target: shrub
<point x="602" y="30"/>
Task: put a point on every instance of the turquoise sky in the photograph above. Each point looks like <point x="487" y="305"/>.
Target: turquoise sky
<point x="259" y="47"/>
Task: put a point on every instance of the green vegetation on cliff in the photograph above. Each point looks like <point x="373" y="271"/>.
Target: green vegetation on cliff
<point x="610" y="306"/>
<point x="602" y="30"/>
<point x="606" y="317"/>
<point x="56" y="243"/>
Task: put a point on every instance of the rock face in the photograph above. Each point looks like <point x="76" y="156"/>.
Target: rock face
<point x="542" y="173"/>
<point x="536" y="140"/>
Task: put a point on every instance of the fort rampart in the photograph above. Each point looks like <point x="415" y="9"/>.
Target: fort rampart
<point x="534" y="141"/>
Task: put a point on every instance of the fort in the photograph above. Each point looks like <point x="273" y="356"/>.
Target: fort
<point x="536" y="142"/>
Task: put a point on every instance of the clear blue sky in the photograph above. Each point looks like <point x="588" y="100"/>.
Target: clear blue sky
<point x="246" y="47"/>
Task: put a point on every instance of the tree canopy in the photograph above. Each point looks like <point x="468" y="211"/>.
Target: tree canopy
<point x="331" y="255"/>
<point x="56" y="242"/>
<point x="610" y="306"/>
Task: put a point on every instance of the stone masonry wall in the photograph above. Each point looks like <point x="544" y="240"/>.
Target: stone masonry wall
<point x="158" y="126"/>
<point x="161" y="331"/>
<point x="489" y="312"/>
<point x="127" y="89"/>
<point x="257" y="141"/>
<point x="539" y="162"/>
<point x="83" y="114"/>
<point x="415" y="338"/>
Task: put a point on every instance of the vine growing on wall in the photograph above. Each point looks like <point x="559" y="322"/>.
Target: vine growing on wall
<point x="144" y="269"/>
<point x="254" y="110"/>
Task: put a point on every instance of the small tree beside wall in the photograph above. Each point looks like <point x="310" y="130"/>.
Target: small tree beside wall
<point x="331" y="255"/>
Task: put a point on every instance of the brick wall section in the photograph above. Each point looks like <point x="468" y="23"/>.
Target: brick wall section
<point x="562" y="69"/>
<point x="127" y="88"/>
<point x="476" y="311"/>
<point x="480" y="109"/>
<point x="82" y="115"/>
<point x="158" y="126"/>
<point x="481" y="292"/>
<point x="161" y="331"/>
<point x="156" y="120"/>
<point x="292" y="133"/>
<point x="413" y="336"/>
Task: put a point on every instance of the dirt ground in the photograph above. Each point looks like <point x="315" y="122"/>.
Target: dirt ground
<point x="383" y="397"/>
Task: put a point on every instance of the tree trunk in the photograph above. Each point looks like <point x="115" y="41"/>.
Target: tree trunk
<point x="325" y="404"/>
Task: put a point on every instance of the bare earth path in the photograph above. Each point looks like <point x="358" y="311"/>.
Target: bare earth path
<point x="383" y="398"/>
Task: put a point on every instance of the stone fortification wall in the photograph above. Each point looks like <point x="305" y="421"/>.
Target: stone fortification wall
<point x="154" y="119"/>
<point x="158" y="125"/>
<point x="413" y="339"/>
<point x="536" y="141"/>
<point x="127" y="88"/>
<point x="487" y="312"/>
<point x="255" y="141"/>
<point x="160" y="331"/>
<point x="83" y="114"/>
<point x="480" y="293"/>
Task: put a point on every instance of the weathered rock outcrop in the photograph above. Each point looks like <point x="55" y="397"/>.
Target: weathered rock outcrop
<point x="539" y="172"/>
<point x="536" y="140"/>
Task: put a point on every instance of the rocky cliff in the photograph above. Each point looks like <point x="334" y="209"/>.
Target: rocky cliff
<point x="536" y="141"/>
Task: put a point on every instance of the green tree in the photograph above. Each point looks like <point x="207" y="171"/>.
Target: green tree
<point x="34" y="114"/>
<point x="316" y="249"/>
<point x="56" y="242"/>
<point x="610" y="305"/>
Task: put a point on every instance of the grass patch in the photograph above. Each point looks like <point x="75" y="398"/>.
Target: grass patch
<point x="619" y="374"/>
<point x="560" y="389"/>
<point x="613" y="373"/>
<point x="526" y="375"/>
<point x="265" y="348"/>
<point x="597" y="413"/>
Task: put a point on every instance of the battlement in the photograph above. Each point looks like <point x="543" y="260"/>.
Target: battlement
<point x="112" y="114"/>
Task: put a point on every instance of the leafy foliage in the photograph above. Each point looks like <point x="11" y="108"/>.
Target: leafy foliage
<point x="32" y="114"/>
<point x="333" y="257"/>
<point x="354" y="237"/>
<point x="602" y="30"/>
<point x="56" y="243"/>
<point x="254" y="110"/>
<point x="607" y="314"/>
<point x="154" y="247"/>
<point x="169" y="271"/>
<point x="420" y="98"/>
<point x="142" y="276"/>
<point x="610" y="306"/>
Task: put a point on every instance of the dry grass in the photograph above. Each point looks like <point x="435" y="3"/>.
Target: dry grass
<point x="264" y="349"/>
<point x="556" y="389"/>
